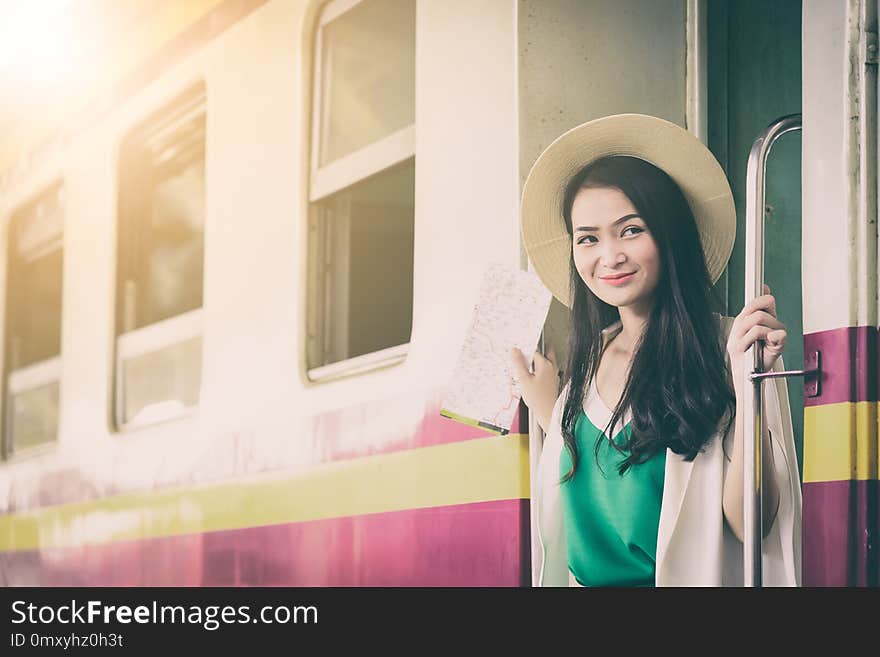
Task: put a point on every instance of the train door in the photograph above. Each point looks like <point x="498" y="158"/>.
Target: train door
<point x="753" y="78"/>
<point x="726" y="71"/>
<point x="767" y="59"/>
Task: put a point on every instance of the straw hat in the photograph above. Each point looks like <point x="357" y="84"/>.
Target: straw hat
<point x="667" y="146"/>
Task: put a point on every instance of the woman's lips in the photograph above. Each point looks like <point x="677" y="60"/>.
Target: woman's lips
<point x="619" y="281"/>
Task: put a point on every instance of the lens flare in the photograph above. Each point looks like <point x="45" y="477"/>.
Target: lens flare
<point x="36" y="42"/>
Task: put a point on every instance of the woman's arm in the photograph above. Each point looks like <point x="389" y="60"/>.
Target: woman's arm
<point x="539" y="390"/>
<point x="757" y="321"/>
<point x="732" y="501"/>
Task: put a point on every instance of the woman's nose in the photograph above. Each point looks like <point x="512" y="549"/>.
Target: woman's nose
<point x="612" y="255"/>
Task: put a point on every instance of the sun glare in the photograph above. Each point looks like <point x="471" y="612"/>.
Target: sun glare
<point x="36" y="41"/>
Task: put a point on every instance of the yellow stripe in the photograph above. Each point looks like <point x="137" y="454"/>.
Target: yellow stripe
<point x="471" y="421"/>
<point x="840" y="442"/>
<point x="456" y="473"/>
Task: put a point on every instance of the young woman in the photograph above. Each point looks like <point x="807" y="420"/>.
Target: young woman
<point x="629" y="220"/>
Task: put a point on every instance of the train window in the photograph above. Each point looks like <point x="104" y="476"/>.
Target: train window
<point x="33" y="322"/>
<point x="161" y="261"/>
<point x="362" y="187"/>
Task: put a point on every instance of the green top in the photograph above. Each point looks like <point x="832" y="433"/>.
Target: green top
<point x="610" y="520"/>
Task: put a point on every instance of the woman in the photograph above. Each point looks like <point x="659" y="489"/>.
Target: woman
<point x="629" y="220"/>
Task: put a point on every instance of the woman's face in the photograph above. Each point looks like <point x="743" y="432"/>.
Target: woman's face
<point x="614" y="253"/>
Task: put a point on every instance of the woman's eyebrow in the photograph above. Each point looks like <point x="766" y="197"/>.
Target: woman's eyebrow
<point x="617" y="221"/>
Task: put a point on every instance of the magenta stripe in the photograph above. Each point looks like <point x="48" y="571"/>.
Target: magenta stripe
<point x="338" y="430"/>
<point x="840" y="524"/>
<point x="481" y="544"/>
<point x="849" y="364"/>
<point x="435" y="429"/>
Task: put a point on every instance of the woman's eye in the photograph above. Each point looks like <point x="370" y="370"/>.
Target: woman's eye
<point x="636" y="230"/>
<point x="587" y="239"/>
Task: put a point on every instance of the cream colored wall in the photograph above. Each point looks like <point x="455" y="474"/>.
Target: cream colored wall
<point x="255" y="394"/>
<point x="839" y="140"/>
<point x="252" y="171"/>
<point x="467" y="181"/>
<point x="583" y="60"/>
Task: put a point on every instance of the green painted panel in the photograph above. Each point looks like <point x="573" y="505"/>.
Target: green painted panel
<point x="754" y="78"/>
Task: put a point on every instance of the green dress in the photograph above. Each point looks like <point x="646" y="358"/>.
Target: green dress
<point x="610" y="520"/>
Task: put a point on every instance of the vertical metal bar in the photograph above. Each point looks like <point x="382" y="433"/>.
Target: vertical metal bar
<point x="752" y="406"/>
<point x="696" y="111"/>
<point x="536" y="444"/>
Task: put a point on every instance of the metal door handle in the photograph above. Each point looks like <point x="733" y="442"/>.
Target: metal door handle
<point x="755" y="210"/>
<point x="812" y="371"/>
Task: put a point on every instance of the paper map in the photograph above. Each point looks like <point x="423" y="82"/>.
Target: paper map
<point x="510" y="312"/>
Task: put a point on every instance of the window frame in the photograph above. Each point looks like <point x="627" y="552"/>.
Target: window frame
<point x="146" y="340"/>
<point x="25" y="379"/>
<point x="351" y="169"/>
<point x="40" y="373"/>
<point x="325" y="181"/>
<point x="190" y="103"/>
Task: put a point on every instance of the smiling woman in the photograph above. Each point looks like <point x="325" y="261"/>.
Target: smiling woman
<point x="642" y="234"/>
<point x="636" y="217"/>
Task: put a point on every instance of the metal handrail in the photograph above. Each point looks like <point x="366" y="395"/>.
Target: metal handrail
<point x="751" y="385"/>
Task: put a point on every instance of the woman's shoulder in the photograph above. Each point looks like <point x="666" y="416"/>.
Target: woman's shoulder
<point x="724" y="324"/>
<point x="558" y="407"/>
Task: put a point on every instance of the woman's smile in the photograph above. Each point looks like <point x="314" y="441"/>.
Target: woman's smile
<point x="618" y="279"/>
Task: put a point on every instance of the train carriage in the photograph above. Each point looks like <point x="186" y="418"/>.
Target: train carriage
<point x="243" y="239"/>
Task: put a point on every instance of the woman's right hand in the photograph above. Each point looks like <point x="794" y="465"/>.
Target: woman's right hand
<point x="539" y="390"/>
<point x="756" y="321"/>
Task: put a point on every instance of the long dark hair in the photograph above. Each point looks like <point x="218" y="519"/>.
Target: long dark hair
<point x="677" y="389"/>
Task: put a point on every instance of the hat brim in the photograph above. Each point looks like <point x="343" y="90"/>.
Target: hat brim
<point x="667" y="146"/>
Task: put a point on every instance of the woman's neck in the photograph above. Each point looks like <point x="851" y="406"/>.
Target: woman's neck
<point x="633" y="323"/>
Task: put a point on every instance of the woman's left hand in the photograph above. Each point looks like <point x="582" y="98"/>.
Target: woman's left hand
<point x="757" y="321"/>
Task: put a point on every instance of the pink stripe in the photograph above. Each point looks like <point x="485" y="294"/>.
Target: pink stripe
<point x="482" y="544"/>
<point x="336" y="430"/>
<point x="840" y="524"/>
<point x="849" y="364"/>
<point x="436" y="429"/>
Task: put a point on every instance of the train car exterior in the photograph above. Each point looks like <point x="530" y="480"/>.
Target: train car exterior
<point x="240" y="255"/>
<point x="276" y="461"/>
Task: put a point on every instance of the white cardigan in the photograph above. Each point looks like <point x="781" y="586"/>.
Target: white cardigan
<point x="695" y="547"/>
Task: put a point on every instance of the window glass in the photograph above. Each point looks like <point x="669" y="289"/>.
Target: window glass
<point x="34" y="416"/>
<point x="39" y="225"/>
<point x="368" y="76"/>
<point x="175" y="259"/>
<point x="163" y="382"/>
<point x="369" y="250"/>
<point x="33" y="322"/>
<point x="37" y="311"/>
<point x="362" y="218"/>
<point x="161" y="263"/>
<point x="163" y="215"/>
